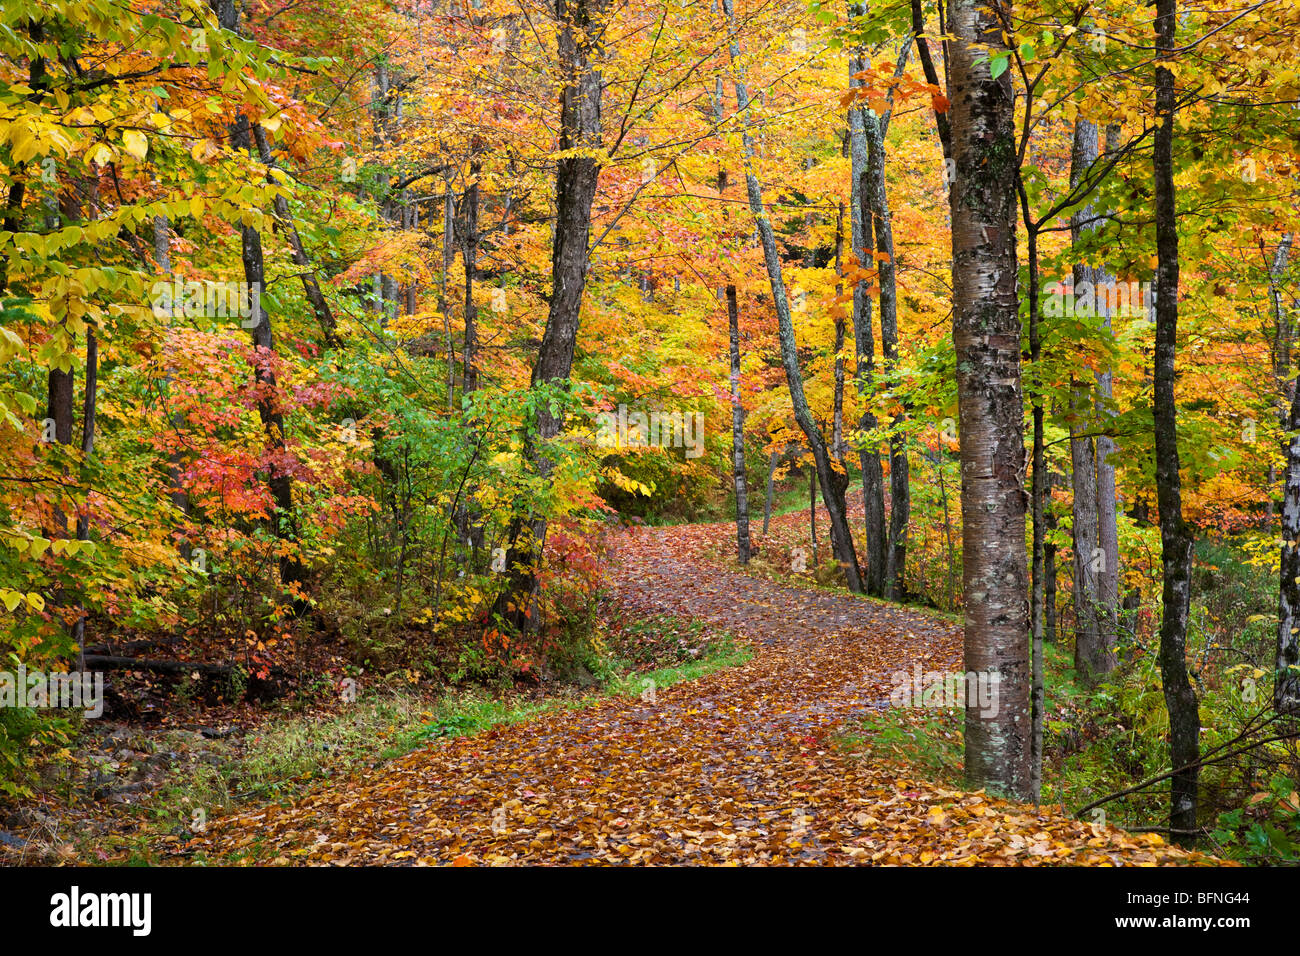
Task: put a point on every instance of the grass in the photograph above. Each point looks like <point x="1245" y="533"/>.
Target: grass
<point x="470" y="713"/>
<point x="825" y="577"/>
<point x="286" y="757"/>
<point x="927" y="741"/>
<point x="1100" y="740"/>
<point x="789" y="495"/>
<point x="733" y="654"/>
<point x="278" y="761"/>
<point x="930" y="742"/>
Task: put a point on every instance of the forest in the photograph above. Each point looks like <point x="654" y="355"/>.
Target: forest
<point x="689" y="432"/>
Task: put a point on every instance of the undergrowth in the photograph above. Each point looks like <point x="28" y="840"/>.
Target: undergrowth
<point x="288" y="755"/>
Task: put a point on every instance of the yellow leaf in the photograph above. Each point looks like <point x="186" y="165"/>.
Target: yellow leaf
<point x="10" y="343"/>
<point x="24" y="143"/>
<point x="135" y="143"/>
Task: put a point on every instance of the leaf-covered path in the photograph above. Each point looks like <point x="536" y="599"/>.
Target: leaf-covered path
<point x="736" y="767"/>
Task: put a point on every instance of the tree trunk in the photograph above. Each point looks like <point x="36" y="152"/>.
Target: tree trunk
<point x="88" y="410"/>
<point x="931" y="75"/>
<point x="1108" y="606"/>
<point x="1107" y="529"/>
<point x="1280" y="347"/>
<point x="812" y="516"/>
<point x="311" y="287"/>
<point x="864" y="345"/>
<point x="60" y="388"/>
<point x="1286" y="688"/>
<point x="986" y="334"/>
<point x="771" y="476"/>
<point x="39" y="80"/>
<point x="581" y="27"/>
<point x="1282" y="331"/>
<point x="469" y="250"/>
<point x="1037" y="692"/>
<point x="468" y="516"/>
<point x="738" y="431"/>
<point x="900" y="504"/>
<point x="1175" y="535"/>
<point x="1088" y="651"/>
<point x="834" y="482"/>
<point x="1094" y="633"/>
<point x="162" y="256"/>
<point x="280" y="482"/>
<point x="383" y="113"/>
<point x="1140" y="513"/>
<point x="1049" y="561"/>
<point x="444" y="296"/>
<point x="839" y="451"/>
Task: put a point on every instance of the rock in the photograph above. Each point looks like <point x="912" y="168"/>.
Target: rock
<point x="119" y="734"/>
<point x="27" y="817"/>
<point x="163" y="758"/>
<point x="126" y="793"/>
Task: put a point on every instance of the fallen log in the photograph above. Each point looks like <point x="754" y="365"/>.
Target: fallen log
<point x="116" y="663"/>
<point x="111" y="662"/>
<point x="128" y="649"/>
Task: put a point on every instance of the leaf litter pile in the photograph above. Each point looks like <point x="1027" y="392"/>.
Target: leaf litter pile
<point x="738" y="767"/>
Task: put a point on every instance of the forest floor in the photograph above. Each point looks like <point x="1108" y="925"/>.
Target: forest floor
<point x="745" y="765"/>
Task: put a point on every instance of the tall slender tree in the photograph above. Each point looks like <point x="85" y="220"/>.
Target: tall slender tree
<point x="743" y="545"/>
<point x="1089" y="653"/>
<point x="864" y="342"/>
<point x="1175" y="534"/>
<point x="280" y="481"/>
<point x="834" y="481"/>
<point x="310" y="284"/>
<point x="900" y="497"/>
<point x="582" y="25"/>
